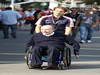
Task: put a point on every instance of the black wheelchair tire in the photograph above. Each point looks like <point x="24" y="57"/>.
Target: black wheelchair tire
<point x="28" y="59"/>
<point x="67" y="57"/>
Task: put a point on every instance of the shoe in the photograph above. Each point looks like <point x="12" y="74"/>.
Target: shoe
<point x="82" y="41"/>
<point x="6" y="37"/>
<point x="37" y="67"/>
<point x="77" y="56"/>
<point x="51" y="67"/>
<point x="89" y="41"/>
<point x="13" y="36"/>
<point x="25" y="57"/>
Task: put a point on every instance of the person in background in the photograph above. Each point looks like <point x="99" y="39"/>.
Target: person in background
<point x="87" y="21"/>
<point x="96" y="14"/>
<point x="29" y="19"/>
<point x="21" y="21"/>
<point x="74" y="15"/>
<point x="9" y="19"/>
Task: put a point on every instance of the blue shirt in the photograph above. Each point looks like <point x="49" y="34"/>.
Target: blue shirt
<point x="87" y="19"/>
<point x="9" y="17"/>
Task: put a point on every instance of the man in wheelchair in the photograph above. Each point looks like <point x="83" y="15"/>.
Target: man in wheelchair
<point x="50" y="42"/>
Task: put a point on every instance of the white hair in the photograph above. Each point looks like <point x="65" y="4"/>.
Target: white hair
<point x="52" y="27"/>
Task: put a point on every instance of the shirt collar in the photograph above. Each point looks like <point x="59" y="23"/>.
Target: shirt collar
<point x="57" y="18"/>
<point x="49" y="34"/>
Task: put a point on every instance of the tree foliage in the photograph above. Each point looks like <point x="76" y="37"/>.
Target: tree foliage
<point x="91" y="1"/>
<point x="60" y="0"/>
<point x="2" y="1"/>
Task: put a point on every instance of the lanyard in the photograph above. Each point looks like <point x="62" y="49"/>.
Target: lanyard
<point x="55" y="22"/>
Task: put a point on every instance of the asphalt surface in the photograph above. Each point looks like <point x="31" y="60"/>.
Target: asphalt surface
<point x="12" y="57"/>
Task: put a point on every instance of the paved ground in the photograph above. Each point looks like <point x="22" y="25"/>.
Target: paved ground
<point x="12" y="58"/>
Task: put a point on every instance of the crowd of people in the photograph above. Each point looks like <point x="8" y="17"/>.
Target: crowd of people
<point x="83" y="21"/>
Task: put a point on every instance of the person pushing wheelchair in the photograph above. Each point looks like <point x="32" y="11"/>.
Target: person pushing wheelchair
<point x="50" y="42"/>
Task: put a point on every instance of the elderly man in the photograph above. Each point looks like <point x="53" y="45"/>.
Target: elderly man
<point x="50" y="42"/>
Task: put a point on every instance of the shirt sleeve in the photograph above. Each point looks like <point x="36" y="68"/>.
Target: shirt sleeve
<point x="31" y="42"/>
<point x="41" y="20"/>
<point x="79" y="17"/>
<point x="70" y="22"/>
<point x="18" y="15"/>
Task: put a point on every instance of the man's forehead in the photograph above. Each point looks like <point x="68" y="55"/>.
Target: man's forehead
<point x="59" y="9"/>
<point x="46" y="26"/>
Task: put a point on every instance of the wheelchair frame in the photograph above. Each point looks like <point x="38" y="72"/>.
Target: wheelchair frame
<point x="65" y="63"/>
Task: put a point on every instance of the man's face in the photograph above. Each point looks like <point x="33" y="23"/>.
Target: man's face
<point x="46" y="30"/>
<point x="87" y="11"/>
<point x="74" y="10"/>
<point x="58" y="12"/>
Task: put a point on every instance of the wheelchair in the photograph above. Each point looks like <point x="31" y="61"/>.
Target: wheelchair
<point x="64" y="61"/>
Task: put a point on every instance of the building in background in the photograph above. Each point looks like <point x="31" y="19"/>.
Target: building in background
<point x="52" y="3"/>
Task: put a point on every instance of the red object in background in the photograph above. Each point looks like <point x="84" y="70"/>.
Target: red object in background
<point x="29" y="18"/>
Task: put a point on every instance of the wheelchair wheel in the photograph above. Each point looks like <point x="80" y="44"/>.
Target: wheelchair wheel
<point x="67" y="57"/>
<point x="60" y="67"/>
<point x="29" y="59"/>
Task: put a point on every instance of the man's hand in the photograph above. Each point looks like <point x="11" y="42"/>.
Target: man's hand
<point x="38" y="29"/>
<point x="77" y="56"/>
<point x="94" y="25"/>
<point x="68" y="30"/>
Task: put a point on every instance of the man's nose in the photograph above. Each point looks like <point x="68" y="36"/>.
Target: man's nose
<point x="44" y="31"/>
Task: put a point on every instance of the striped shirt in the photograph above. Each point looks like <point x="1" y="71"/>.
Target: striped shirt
<point x="59" y="24"/>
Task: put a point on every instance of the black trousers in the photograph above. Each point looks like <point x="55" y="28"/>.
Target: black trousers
<point x="53" y="53"/>
<point x="32" y="26"/>
<point x="74" y="32"/>
<point x="6" y="30"/>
